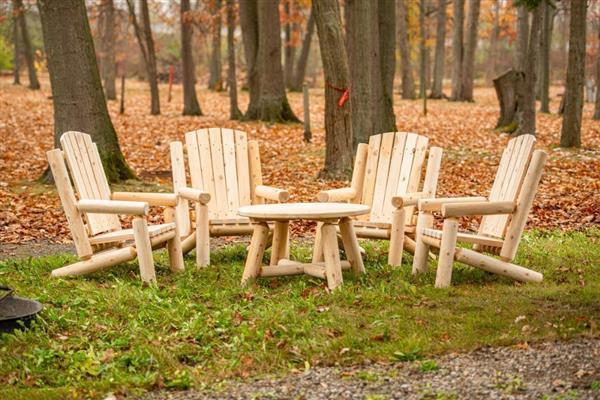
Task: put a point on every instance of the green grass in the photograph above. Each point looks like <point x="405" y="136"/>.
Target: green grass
<point x="107" y="333"/>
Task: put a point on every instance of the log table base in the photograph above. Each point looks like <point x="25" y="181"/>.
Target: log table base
<point x="326" y="262"/>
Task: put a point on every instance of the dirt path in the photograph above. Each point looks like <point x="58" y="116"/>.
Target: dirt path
<point x="560" y="370"/>
<point x="37" y="248"/>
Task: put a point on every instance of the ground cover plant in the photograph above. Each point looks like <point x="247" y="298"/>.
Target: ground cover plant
<point x="106" y="333"/>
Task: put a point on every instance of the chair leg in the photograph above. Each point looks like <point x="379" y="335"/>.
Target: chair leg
<point x="318" y="246"/>
<point x="424" y="221"/>
<point x="280" y="241"/>
<point x="175" y="253"/>
<point x="447" y="248"/>
<point x="144" y="250"/>
<point x="331" y="254"/>
<point x="202" y="236"/>
<point x="397" y="238"/>
<point x="256" y="252"/>
<point x="351" y="247"/>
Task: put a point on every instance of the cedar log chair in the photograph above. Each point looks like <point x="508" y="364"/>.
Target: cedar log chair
<point x="100" y="241"/>
<point x="225" y="164"/>
<point x="387" y="176"/>
<point x="504" y="213"/>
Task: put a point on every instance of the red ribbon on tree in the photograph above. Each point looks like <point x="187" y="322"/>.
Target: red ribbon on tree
<point x="345" y="94"/>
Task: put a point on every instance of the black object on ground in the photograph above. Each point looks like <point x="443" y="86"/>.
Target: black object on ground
<point x="16" y="312"/>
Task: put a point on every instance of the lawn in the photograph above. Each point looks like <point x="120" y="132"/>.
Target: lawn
<point x="107" y="333"/>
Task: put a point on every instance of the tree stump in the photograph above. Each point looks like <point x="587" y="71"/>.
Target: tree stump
<point x="506" y="86"/>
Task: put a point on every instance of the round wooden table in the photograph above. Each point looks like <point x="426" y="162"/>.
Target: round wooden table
<point x="326" y="262"/>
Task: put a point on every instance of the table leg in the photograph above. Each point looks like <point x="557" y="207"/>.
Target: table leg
<point x="331" y="253"/>
<point x="318" y="246"/>
<point x="279" y="248"/>
<point x="256" y="251"/>
<point x="351" y="246"/>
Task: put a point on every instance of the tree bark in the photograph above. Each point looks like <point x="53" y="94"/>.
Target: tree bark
<point x="34" y="83"/>
<point x="422" y="51"/>
<point x="272" y="103"/>
<point x="304" y="53"/>
<point x="596" y="115"/>
<point x="458" y="7"/>
<point x="146" y="43"/>
<point x="493" y="48"/>
<point x="215" y="80"/>
<point x="234" y="111"/>
<point x="289" y="47"/>
<point x="249" y="24"/>
<point x="408" y="82"/>
<point x="522" y="38"/>
<point x="16" y="50"/>
<point x="570" y="135"/>
<point x="190" y="101"/>
<point x="470" y="47"/>
<point x="79" y="102"/>
<point x="544" y="62"/>
<point x="387" y="61"/>
<point x="338" y="121"/>
<point x="106" y="29"/>
<point x="506" y="89"/>
<point x="437" y="90"/>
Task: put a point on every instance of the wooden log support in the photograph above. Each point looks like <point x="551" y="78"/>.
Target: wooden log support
<point x="202" y="236"/>
<point x="315" y="270"/>
<point x="351" y="246"/>
<point x="153" y="199"/>
<point x="144" y="250"/>
<point x="332" y="195"/>
<point x="424" y="221"/>
<point x="256" y="252"/>
<point x="271" y="193"/>
<point x="317" y="255"/>
<point x="280" y="242"/>
<point x="282" y="270"/>
<point x="397" y="238"/>
<point x="97" y="262"/>
<point x="174" y="244"/>
<point x="491" y="264"/>
<point x="479" y="208"/>
<point x="113" y="207"/>
<point x="331" y="254"/>
<point x="447" y="249"/>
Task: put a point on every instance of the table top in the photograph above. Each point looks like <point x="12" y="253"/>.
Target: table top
<point x="310" y="211"/>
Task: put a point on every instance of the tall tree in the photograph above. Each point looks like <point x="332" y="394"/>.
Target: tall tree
<point x="146" y="42"/>
<point x="215" y="80"/>
<point x="249" y="24"/>
<point x="18" y="8"/>
<point x="79" y="102"/>
<point x="300" y="71"/>
<point x="423" y="53"/>
<point x="544" y="61"/>
<point x="458" y="12"/>
<point x="408" y="81"/>
<point x="596" y="115"/>
<point x="387" y="62"/>
<point x="234" y="111"/>
<point x="522" y="37"/>
<point x="288" y="45"/>
<point x="338" y="121"/>
<point x="470" y="47"/>
<point x="190" y="101"/>
<point x="106" y="28"/>
<point x="570" y="135"/>
<point x="16" y="50"/>
<point x="437" y="90"/>
<point x="494" y="38"/>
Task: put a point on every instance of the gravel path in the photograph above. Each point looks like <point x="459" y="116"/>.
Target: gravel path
<point x="560" y="370"/>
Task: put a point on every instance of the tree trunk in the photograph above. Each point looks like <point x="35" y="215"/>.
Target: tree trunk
<point x="272" y="104"/>
<point x="338" y="121"/>
<point x="522" y="37"/>
<point x="289" y="47"/>
<point x="215" y="80"/>
<point x="387" y="57"/>
<point x="144" y="38"/>
<point x="190" y="101"/>
<point x="458" y="12"/>
<point x="422" y="50"/>
<point x="437" y="90"/>
<point x="544" y="62"/>
<point x="304" y="52"/>
<point x="249" y="24"/>
<point x="596" y="115"/>
<point x="493" y="48"/>
<point x="506" y="89"/>
<point x="34" y="83"/>
<point x="570" y="135"/>
<point x="234" y="111"/>
<point x="526" y="90"/>
<point x="106" y="29"/>
<point x="470" y="47"/>
<point x="16" y="51"/>
<point x="408" y="82"/>
<point x="79" y="102"/>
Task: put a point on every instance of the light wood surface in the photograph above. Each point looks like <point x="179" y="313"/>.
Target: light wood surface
<point x="311" y="211"/>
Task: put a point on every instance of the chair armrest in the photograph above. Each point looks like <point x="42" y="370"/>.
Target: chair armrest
<point x="271" y="193"/>
<point x="113" y="207"/>
<point x="409" y="199"/>
<point x="193" y="194"/>
<point x="153" y="199"/>
<point x="341" y="194"/>
<point x="437" y="203"/>
<point x="478" y="208"/>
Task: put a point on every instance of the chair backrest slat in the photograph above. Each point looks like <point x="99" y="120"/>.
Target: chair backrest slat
<point x="243" y="170"/>
<point x="383" y="172"/>
<point x="371" y="170"/>
<point x="508" y="181"/>
<point x="230" y="164"/>
<point x="89" y="179"/>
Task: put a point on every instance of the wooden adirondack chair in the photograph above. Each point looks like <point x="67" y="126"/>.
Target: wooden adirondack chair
<point x="504" y="214"/>
<point x="224" y="163"/>
<point x="387" y="176"/>
<point x="99" y="239"/>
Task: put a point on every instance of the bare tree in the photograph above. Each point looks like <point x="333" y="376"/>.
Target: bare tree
<point x="469" y="51"/>
<point x="437" y="90"/>
<point x="408" y="81"/>
<point x="596" y="115"/>
<point x="493" y="48"/>
<point x="458" y="12"/>
<point x="18" y="8"/>
<point x="387" y="64"/>
<point x="423" y="54"/>
<point x="570" y="134"/>
<point x="79" y="102"/>
<point x="146" y="42"/>
<point x="106" y="28"/>
<point x="288" y="45"/>
<point x="249" y="24"/>
<point x="304" y="52"/>
<point x="16" y="48"/>
<point x="234" y="111"/>
<point x="215" y="80"/>
<point x="338" y="122"/>
<point x="190" y="100"/>
<point x="544" y="62"/>
<point x="522" y="37"/>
